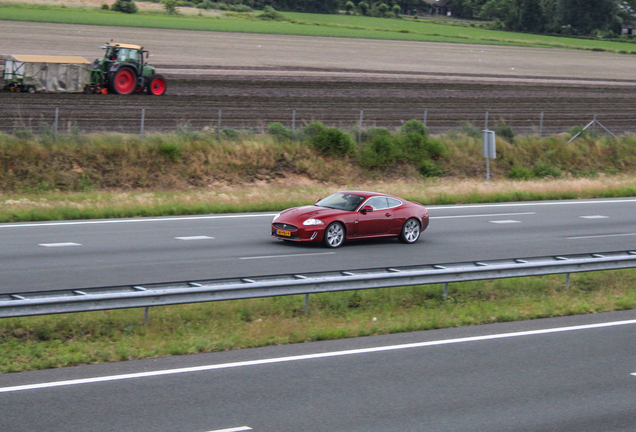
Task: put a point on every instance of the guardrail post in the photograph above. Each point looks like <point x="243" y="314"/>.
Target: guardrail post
<point x="567" y="280"/>
<point x="146" y="315"/>
<point x="445" y="291"/>
<point x="306" y="304"/>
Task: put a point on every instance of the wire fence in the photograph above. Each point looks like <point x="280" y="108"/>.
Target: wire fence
<point x="226" y="122"/>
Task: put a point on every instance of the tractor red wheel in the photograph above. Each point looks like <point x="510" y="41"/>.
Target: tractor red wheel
<point x="157" y="85"/>
<point x="124" y="81"/>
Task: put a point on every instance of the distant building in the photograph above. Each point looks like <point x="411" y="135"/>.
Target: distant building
<point x="629" y="28"/>
<point x="442" y="7"/>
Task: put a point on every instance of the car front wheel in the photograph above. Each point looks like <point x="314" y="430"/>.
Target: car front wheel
<point x="334" y="235"/>
<point x="410" y="231"/>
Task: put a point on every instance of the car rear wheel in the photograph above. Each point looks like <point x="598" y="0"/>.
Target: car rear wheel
<point x="410" y="231"/>
<point x="334" y="235"/>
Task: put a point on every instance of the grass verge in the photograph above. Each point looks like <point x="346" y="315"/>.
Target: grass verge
<point x="95" y="337"/>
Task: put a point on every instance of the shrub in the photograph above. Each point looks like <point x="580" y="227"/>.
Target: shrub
<point x="435" y="148"/>
<point x="125" y="6"/>
<point x="371" y="133"/>
<point x="412" y="147"/>
<point x="396" y="10"/>
<point x="543" y="170"/>
<point x="380" y="152"/>
<point x="383" y="9"/>
<point x="520" y="173"/>
<point x="230" y="133"/>
<point x="311" y="130"/>
<point x="269" y="13"/>
<point x="170" y="6"/>
<point x="333" y="142"/>
<point x="171" y="151"/>
<point x="504" y="131"/>
<point x="471" y="130"/>
<point x="206" y="4"/>
<point x="429" y="168"/>
<point x="413" y="126"/>
<point x="104" y="6"/>
<point x="279" y="131"/>
<point x="363" y="7"/>
<point x="349" y="7"/>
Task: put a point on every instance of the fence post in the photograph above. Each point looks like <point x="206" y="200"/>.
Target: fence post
<point x="594" y="126"/>
<point x="360" y="127"/>
<point x="55" y="127"/>
<point x="143" y="117"/>
<point x="293" y="124"/>
<point x="425" y="114"/>
<point x="218" y="128"/>
<point x="541" y="126"/>
<point x="486" y="127"/>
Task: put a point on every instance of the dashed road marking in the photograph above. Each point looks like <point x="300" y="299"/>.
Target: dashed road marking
<point x="482" y="215"/>
<point x="508" y="221"/>
<point x="601" y="236"/>
<point x="594" y="217"/>
<point x="195" y="238"/>
<point x="59" y="244"/>
<point x="236" y="429"/>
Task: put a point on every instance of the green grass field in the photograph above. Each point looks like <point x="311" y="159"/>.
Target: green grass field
<point x="307" y="25"/>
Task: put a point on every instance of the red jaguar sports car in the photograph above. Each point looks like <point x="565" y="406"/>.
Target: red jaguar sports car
<point x="351" y="215"/>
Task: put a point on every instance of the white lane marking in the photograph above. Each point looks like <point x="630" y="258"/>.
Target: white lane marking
<point x="484" y="215"/>
<point x="286" y="256"/>
<point x="236" y="429"/>
<point x="600" y="236"/>
<point x="59" y="244"/>
<point x="195" y="238"/>
<point x="315" y="356"/>
<point x="508" y="221"/>
<point x="533" y="203"/>
<point x="594" y="217"/>
<point x="140" y="220"/>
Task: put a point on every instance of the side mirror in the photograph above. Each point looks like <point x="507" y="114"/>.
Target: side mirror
<point x="366" y="209"/>
<point x="318" y="200"/>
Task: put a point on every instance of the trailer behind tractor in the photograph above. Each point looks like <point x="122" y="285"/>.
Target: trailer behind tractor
<point x="122" y="70"/>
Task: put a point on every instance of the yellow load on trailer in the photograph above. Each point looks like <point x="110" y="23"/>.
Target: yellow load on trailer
<point x="59" y="74"/>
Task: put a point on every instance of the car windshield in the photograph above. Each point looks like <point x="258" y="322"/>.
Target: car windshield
<point x="341" y="201"/>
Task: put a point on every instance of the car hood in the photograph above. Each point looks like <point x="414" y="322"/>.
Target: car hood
<point x="300" y="214"/>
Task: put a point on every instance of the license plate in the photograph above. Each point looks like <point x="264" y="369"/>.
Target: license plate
<point x="283" y="233"/>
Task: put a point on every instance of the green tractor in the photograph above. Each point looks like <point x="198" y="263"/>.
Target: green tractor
<point x="123" y="71"/>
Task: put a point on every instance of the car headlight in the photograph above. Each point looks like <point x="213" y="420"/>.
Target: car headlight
<point x="276" y="216"/>
<point x="313" y="222"/>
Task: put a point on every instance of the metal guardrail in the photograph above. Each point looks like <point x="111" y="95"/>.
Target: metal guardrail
<point x="160" y="294"/>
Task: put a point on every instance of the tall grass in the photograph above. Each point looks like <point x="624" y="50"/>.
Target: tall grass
<point x="96" y="337"/>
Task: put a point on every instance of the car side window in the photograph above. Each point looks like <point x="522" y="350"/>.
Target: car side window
<point x="394" y="202"/>
<point x="378" y="203"/>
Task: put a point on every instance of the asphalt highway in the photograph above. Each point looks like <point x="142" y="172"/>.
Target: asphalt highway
<point x="562" y="374"/>
<point x="76" y="254"/>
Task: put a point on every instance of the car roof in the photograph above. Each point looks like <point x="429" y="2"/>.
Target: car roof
<point x="365" y="194"/>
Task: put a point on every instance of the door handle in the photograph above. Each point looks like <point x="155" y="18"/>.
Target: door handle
<point x="387" y="214"/>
